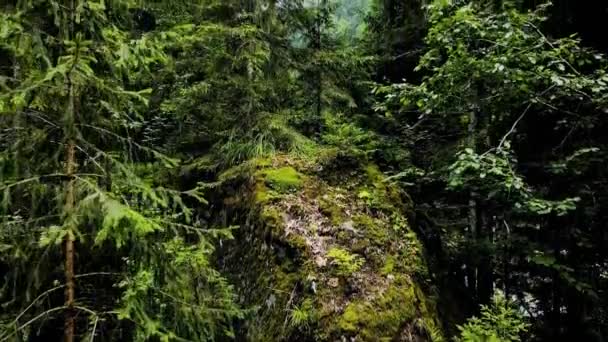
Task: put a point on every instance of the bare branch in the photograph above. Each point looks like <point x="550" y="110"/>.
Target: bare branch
<point x="45" y="313"/>
<point x="504" y="138"/>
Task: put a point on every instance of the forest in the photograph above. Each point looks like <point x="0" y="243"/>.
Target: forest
<point x="303" y="170"/>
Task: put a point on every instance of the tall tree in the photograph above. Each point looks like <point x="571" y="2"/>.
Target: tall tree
<point x="77" y="188"/>
<point x="506" y="100"/>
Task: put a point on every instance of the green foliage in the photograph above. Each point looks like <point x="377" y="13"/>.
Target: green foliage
<point x="303" y="315"/>
<point x="348" y="137"/>
<point x="499" y="137"/>
<point x="498" y="322"/>
<point x="504" y="54"/>
<point x="345" y="262"/>
<point x="283" y="179"/>
<point x="494" y="173"/>
<point x="349" y="16"/>
<point x="504" y="118"/>
<point x="75" y="93"/>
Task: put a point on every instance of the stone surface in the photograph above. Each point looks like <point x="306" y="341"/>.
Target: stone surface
<point x="333" y="253"/>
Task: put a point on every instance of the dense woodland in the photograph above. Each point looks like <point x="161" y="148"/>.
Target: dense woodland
<point x="303" y="170"/>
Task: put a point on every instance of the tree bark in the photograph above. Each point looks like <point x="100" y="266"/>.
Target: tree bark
<point x="556" y="314"/>
<point x="485" y="287"/>
<point x="472" y="208"/>
<point x="70" y="284"/>
<point x="319" y="76"/>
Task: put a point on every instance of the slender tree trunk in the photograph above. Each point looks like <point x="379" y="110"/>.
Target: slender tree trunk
<point x="506" y="259"/>
<point x="486" y="274"/>
<point x="319" y="84"/>
<point x="486" y="232"/>
<point x="318" y="100"/>
<point x="70" y="284"/>
<point x="556" y="315"/>
<point x="70" y="166"/>
<point x="472" y="206"/>
<point x="17" y="123"/>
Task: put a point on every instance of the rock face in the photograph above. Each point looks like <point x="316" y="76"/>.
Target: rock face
<point x="325" y="255"/>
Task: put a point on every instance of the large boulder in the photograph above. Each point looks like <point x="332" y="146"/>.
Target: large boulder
<point x="325" y="252"/>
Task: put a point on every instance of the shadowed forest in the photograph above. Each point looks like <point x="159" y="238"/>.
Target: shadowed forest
<point x="303" y="170"/>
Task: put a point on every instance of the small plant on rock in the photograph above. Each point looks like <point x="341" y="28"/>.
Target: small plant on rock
<point x="346" y="263"/>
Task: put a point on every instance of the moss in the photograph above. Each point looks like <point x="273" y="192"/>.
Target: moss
<point x="343" y="236"/>
<point x="262" y="194"/>
<point x="382" y="318"/>
<point x="332" y="203"/>
<point x="244" y="169"/>
<point x="371" y="239"/>
<point x="345" y="262"/>
<point x="283" y="179"/>
<point x="328" y="206"/>
<point x="410" y="258"/>
<point x="360" y="245"/>
<point x="263" y="162"/>
<point x="373" y="173"/>
<point x="285" y="278"/>
<point x="271" y="216"/>
<point x="352" y="315"/>
<point x="374" y="229"/>
<point x="298" y="242"/>
<point x="379" y="193"/>
<point x="389" y="266"/>
<point x="272" y="219"/>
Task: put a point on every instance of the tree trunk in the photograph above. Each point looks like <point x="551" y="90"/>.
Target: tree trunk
<point x="472" y="207"/>
<point x="17" y="121"/>
<point x="319" y="85"/>
<point x="70" y="165"/>
<point x="506" y="259"/>
<point x="556" y="315"/>
<point x="485" y="287"/>
<point x="69" y="246"/>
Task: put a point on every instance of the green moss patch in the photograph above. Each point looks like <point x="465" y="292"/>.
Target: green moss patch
<point x="375" y="230"/>
<point x="283" y="179"/>
<point x="389" y="266"/>
<point x="384" y="318"/>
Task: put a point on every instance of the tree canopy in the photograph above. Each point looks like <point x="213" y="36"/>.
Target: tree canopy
<point x="305" y="170"/>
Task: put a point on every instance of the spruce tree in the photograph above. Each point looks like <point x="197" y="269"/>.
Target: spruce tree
<point x="80" y="210"/>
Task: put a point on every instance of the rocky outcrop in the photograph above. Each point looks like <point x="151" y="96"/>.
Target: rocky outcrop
<point x="324" y="254"/>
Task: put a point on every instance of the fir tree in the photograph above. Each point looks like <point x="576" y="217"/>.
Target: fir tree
<point x="76" y="189"/>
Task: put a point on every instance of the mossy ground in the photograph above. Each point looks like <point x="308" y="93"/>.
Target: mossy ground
<point x="283" y="179"/>
<point x="330" y="256"/>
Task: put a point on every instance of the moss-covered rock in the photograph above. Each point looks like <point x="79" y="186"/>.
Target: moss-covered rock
<point x="327" y="257"/>
<point x="283" y="179"/>
<point x="399" y="313"/>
